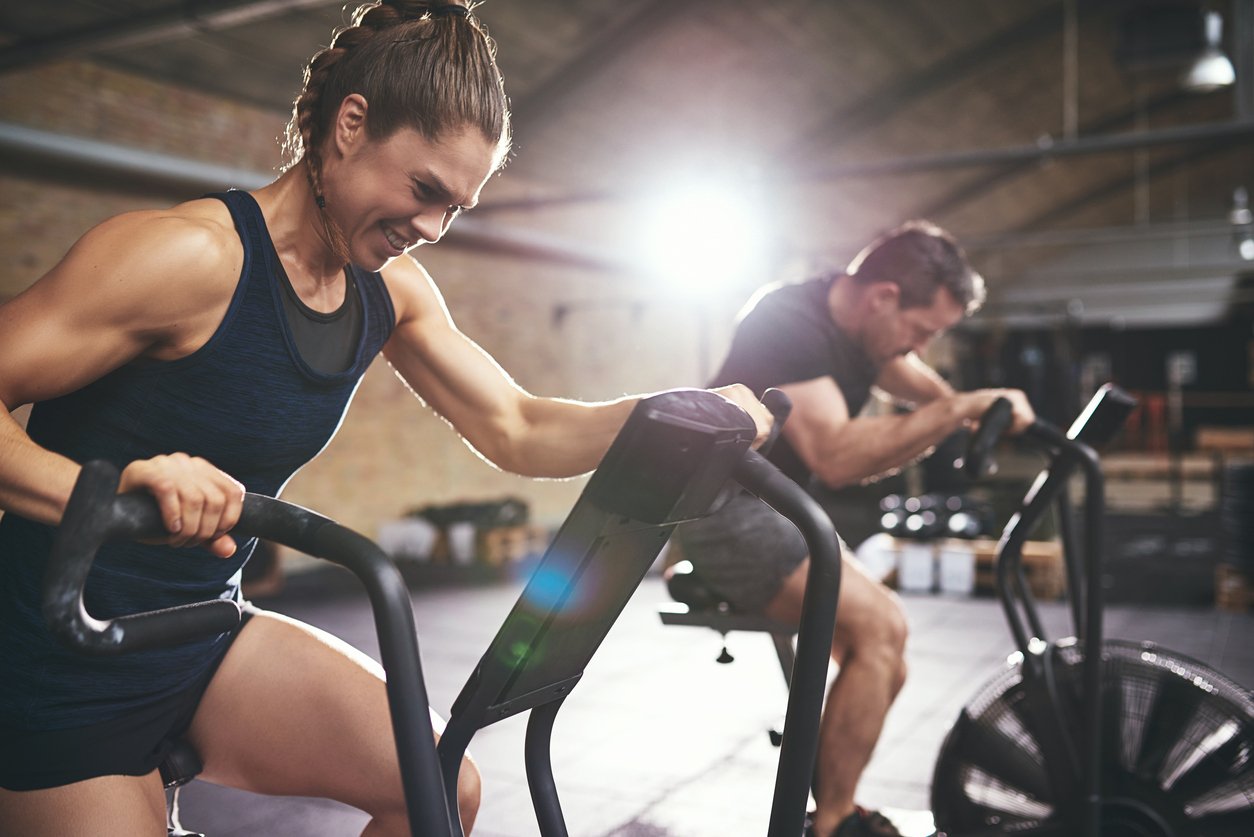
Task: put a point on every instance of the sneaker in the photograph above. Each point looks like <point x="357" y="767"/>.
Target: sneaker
<point x="864" y="823"/>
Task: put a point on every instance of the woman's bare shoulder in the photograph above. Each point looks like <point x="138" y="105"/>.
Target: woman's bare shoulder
<point x="198" y="234"/>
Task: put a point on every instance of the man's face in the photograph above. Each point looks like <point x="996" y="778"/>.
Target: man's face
<point x="893" y="331"/>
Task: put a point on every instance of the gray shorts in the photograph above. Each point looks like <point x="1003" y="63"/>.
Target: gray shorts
<point x="744" y="551"/>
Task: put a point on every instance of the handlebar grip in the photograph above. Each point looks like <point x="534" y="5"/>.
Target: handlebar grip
<point x="93" y="515"/>
<point x="780" y="406"/>
<point x="978" y="461"/>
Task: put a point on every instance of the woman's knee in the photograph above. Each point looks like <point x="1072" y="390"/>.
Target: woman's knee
<point x="390" y="812"/>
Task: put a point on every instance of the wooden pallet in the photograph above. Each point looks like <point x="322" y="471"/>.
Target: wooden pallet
<point x="1042" y="564"/>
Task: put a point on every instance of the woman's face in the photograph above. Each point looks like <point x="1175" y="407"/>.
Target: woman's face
<point x="391" y="195"/>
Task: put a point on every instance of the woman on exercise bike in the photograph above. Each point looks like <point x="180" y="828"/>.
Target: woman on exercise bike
<point x="212" y="348"/>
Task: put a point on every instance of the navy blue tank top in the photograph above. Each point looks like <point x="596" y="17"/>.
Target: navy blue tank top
<point x="245" y="401"/>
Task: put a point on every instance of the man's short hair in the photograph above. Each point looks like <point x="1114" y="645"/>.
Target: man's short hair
<point x="919" y="257"/>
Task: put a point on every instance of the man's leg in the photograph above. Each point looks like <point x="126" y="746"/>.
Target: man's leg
<point x="869" y="646"/>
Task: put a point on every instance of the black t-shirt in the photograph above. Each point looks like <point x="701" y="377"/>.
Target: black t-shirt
<point x="788" y="336"/>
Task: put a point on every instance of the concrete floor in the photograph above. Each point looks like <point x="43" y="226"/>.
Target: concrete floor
<point x="658" y="739"/>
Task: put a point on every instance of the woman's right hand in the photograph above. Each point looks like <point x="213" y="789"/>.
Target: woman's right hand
<point x="199" y="503"/>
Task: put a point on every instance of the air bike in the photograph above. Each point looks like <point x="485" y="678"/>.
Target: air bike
<point x="1081" y="737"/>
<point x="671" y="462"/>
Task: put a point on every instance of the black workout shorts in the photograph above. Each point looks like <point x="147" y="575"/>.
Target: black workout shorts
<point x="744" y="551"/>
<point x="134" y="744"/>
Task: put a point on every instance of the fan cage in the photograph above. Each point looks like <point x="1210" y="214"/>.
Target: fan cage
<point x="1178" y="737"/>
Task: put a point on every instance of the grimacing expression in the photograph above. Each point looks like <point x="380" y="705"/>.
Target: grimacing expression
<point x="905" y="330"/>
<point x="405" y="190"/>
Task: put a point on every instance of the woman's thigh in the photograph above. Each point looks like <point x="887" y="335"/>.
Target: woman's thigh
<point x="294" y="711"/>
<point x="107" y="806"/>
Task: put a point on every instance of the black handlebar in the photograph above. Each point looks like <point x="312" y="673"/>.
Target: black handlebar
<point x="95" y="514"/>
<point x="799" y="747"/>
<point x="780" y="406"/>
<point x="978" y="462"/>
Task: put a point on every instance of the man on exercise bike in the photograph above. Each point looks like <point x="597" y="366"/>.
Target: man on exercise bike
<point x="827" y="342"/>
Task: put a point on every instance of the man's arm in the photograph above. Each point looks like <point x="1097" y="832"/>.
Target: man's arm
<point x="841" y="450"/>
<point x="911" y="381"/>
<point x="512" y="429"/>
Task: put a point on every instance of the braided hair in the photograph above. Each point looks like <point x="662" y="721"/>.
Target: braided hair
<point x="422" y="64"/>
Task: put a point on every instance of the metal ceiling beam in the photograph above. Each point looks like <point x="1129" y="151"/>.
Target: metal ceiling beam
<point x="79" y="160"/>
<point x="22" y="145"/>
<point x="177" y="21"/>
<point x="860" y="116"/>
<point x="987" y="181"/>
<point x="1012" y="155"/>
<point x="1044" y="150"/>
<point x="884" y="103"/>
<point x="1135" y="233"/>
<point x="599" y="52"/>
<point x="1110" y="188"/>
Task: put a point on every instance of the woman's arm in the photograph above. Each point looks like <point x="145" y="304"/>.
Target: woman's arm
<point x="511" y="428"/>
<point x="150" y="284"/>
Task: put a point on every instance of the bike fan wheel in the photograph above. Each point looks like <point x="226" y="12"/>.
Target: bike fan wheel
<point x="1177" y="751"/>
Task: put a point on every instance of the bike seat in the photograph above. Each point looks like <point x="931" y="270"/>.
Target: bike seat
<point x="181" y="765"/>
<point x="687" y="587"/>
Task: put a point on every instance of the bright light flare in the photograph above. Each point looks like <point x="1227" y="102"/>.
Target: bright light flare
<point x="702" y="236"/>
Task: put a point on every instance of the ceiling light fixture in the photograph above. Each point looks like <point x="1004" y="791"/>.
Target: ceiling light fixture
<point x="1212" y="69"/>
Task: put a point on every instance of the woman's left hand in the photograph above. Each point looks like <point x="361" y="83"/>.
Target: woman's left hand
<point x="743" y="397"/>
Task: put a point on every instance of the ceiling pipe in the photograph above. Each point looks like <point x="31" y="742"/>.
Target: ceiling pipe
<point x="1044" y="149"/>
<point x="176" y="175"/>
<point x="181" y="20"/>
<point x="180" y="178"/>
<point x="1164" y="230"/>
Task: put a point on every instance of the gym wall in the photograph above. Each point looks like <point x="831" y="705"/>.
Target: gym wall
<point x="558" y="330"/>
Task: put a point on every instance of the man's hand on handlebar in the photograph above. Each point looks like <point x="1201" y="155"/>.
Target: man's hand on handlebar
<point x="743" y="397"/>
<point x="199" y="503"/>
<point x="976" y="403"/>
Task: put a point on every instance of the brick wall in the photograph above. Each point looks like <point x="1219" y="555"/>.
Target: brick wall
<point x="558" y="331"/>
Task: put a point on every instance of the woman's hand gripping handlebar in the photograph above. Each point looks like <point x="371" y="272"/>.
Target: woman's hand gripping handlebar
<point x="94" y="514"/>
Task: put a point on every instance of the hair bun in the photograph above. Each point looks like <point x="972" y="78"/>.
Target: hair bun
<point x="449" y="9"/>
